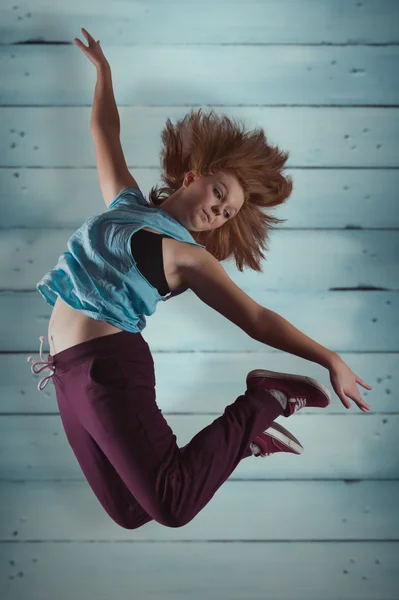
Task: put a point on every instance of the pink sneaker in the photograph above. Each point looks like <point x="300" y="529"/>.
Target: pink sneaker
<point x="300" y="390"/>
<point x="275" y="439"/>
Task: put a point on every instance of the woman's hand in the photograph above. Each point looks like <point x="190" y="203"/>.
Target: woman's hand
<point x="344" y="383"/>
<point x="93" y="52"/>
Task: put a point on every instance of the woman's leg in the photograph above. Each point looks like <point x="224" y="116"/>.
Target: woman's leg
<point x="103" y="479"/>
<point x="110" y="384"/>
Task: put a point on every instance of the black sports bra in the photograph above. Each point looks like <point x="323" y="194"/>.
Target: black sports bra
<point x="146" y="248"/>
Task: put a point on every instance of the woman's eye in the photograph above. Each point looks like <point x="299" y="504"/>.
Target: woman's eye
<point x="220" y="196"/>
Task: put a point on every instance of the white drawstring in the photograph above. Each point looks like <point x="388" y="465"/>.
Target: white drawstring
<point x="45" y="365"/>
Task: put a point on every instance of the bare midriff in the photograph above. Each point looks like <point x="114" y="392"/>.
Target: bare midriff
<point x="68" y="326"/>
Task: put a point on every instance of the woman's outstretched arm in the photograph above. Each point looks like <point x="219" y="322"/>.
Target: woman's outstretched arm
<point x="105" y="111"/>
<point x="279" y="333"/>
<point x="112" y="170"/>
<point x="202" y="273"/>
<point x="113" y="173"/>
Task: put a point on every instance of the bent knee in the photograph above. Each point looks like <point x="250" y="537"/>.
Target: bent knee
<point x="169" y="519"/>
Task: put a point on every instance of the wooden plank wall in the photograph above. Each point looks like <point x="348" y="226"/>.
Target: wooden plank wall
<point x="321" y="77"/>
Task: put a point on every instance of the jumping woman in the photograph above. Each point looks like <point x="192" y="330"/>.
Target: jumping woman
<point x="120" y="264"/>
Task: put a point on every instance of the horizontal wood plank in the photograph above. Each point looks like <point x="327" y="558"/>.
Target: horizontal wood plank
<point x="346" y="137"/>
<point x="346" y="260"/>
<point x="342" y="321"/>
<point x="335" y="447"/>
<point x="322" y="198"/>
<point x="154" y="22"/>
<point x="220" y="571"/>
<point x="254" y="511"/>
<point x="209" y="381"/>
<point x="223" y="75"/>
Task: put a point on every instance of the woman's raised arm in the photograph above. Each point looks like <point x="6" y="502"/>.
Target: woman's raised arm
<point x="105" y="111"/>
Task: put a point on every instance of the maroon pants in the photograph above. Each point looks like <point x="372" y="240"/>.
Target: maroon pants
<point x="105" y="389"/>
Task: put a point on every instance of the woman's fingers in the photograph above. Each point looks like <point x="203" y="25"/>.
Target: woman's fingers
<point x="362" y="404"/>
<point x="89" y="37"/>
<point x="86" y="34"/>
<point x="346" y="396"/>
<point x="363" y="383"/>
<point x="93" y="50"/>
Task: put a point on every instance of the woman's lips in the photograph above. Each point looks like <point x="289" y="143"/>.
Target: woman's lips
<point x="205" y="215"/>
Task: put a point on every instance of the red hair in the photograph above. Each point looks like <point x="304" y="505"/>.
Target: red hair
<point x="208" y="144"/>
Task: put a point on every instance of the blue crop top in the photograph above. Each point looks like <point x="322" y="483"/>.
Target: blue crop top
<point x="99" y="276"/>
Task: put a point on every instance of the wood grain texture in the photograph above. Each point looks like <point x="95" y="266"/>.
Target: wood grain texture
<point x="218" y="75"/>
<point x="320" y="77"/>
<point x="260" y="511"/>
<point x="315" y="137"/>
<point x="255" y="22"/>
<point x="210" y="380"/>
<point x="323" y="198"/>
<point x="352" y="570"/>
<point x="336" y="447"/>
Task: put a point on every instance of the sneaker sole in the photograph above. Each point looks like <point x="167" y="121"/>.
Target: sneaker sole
<point x="302" y="378"/>
<point x="279" y="433"/>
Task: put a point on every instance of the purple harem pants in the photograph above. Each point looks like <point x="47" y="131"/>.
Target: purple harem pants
<point x="105" y="390"/>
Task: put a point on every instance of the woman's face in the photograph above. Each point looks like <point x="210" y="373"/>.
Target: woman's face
<point x="208" y="202"/>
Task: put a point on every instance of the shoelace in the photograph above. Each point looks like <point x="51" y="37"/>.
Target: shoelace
<point x="299" y="402"/>
<point x="256" y="451"/>
<point x="45" y="365"/>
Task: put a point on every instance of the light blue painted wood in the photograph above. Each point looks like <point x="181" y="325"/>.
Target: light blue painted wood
<point x="342" y="321"/>
<point x="335" y="447"/>
<point x="346" y="259"/>
<point x="216" y="75"/>
<point x="339" y="539"/>
<point x="318" y="137"/>
<point x="208" y="381"/>
<point x="261" y="511"/>
<point x="276" y="571"/>
<point x="216" y="22"/>
<point x="321" y="198"/>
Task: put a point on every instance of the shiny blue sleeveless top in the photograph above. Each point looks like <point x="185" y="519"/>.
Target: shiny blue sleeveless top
<point x="98" y="275"/>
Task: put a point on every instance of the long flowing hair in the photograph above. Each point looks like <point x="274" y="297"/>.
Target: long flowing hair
<point x="208" y="144"/>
